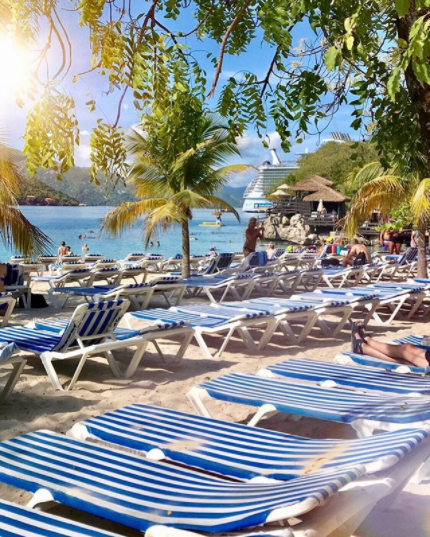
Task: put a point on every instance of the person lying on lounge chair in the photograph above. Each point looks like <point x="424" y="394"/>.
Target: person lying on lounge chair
<point x="405" y="353"/>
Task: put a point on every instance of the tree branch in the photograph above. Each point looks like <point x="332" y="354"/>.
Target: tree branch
<point x="232" y="26"/>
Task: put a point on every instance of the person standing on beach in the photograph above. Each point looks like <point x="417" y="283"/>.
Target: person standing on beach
<point x="85" y="249"/>
<point x="62" y="250"/>
<point x="252" y="234"/>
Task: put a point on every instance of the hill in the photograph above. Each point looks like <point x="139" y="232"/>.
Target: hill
<point x="35" y="192"/>
<point x="76" y="186"/>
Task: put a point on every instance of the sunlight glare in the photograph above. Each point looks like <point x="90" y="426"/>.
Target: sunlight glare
<point x="15" y="66"/>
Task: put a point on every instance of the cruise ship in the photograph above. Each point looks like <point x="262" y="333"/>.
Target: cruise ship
<point x="269" y="175"/>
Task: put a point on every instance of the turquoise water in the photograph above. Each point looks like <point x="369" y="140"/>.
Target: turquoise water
<point x="67" y="223"/>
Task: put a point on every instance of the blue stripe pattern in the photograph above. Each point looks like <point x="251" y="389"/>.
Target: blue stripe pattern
<point x="316" y="402"/>
<point x="140" y="493"/>
<point x="17" y="521"/>
<point x="190" y="319"/>
<point x="364" y="359"/>
<point x="97" y="320"/>
<point x="350" y="376"/>
<point x="240" y="451"/>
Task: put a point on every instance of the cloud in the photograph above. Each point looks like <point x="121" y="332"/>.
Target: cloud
<point x="125" y="106"/>
<point x="82" y="155"/>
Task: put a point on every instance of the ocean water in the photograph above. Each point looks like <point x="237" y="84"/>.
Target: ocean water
<point x="67" y="223"/>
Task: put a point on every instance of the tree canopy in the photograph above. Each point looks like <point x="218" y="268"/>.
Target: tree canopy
<point x="372" y="54"/>
<point x="334" y="161"/>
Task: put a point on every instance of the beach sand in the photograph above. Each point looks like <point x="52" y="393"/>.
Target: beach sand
<point x="35" y="405"/>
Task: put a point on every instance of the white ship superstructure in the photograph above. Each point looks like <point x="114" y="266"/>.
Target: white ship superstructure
<point x="269" y="175"/>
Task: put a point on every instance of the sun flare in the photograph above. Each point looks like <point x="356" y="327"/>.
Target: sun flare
<point x="15" y="66"/>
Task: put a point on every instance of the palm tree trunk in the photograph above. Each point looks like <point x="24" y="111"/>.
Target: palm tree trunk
<point x="422" y="256"/>
<point x="185" y="249"/>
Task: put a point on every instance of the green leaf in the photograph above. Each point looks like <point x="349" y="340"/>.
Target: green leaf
<point x="402" y="7"/>
<point x="332" y="58"/>
<point x="393" y="83"/>
<point x="349" y="42"/>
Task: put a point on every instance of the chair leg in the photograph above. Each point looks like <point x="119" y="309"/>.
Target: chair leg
<point x="202" y="344"/>
<point x="264" y="411"/>
<point x="50" y="370"/>
<point x="14" y="375"/>
<point x="113" y="364"/>
<point x="184" y="346"/>
<point x="197" y="396"/>
<point x="77" y="372"/>
<point x="135" y="361"/>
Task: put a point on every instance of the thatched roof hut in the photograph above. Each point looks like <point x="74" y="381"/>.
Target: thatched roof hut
<point x="326" y="194"/>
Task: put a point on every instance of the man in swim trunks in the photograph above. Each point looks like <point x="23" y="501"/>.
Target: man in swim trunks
<point x="252" y="234"/>
<point x="358" y="255"/>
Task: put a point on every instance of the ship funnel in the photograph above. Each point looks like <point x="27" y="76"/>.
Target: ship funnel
<point x="275" y="158"/>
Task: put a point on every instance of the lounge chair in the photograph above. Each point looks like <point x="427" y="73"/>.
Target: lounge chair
<point x="7" y="303"/>
<point x="218" y="287"/>
<point x="110" y="275"/>
<point x="290" y="312"/>
<point x="342" y="276"/>
<point x="237" y="450"/>
<point x="9" y="357"/>
<point x="349" y="377"/>
<point x="365" y="412"/>
<point x="346" y="357"/>
<point x="93" y="258"/>
<point x="139" y="294"/>
<point x="141" y="493"/>
<point x="171" y="288"/>
<point x="279" y="306"/>
<point x="19" y="521"/>
<point x="133" y="273"/>
<point x="82" y="276"/>
<point x="206" y="321"/>
<point x="90" y="331"/>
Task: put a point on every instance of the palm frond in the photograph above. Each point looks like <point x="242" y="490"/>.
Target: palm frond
<point x="126" y="215"/>
<point x="18" y="233"/>
<point x="163" y="217"/>
<point x="380" y="194"/>
<point x="420" y="202"/>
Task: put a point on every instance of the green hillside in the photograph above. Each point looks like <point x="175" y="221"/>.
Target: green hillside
<point x="76" y="188"/>
<point x="35" y="192"/>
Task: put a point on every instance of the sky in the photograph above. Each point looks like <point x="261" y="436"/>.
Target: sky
<point x="12" y="118"/>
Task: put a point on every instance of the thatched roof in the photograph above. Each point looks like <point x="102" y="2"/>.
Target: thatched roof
<point x="312" y="184"/>
<point x="325" y="193"/>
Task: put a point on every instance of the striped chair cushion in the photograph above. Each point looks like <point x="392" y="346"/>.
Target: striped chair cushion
<point x="141" y="493"/>
<point x="240" y="451"/>
<point x="179" y="317"/>
<point x="316" y="402"/>
<point x="350" y="376"/>
<point x="28" y="339"/>
<point x="364" y="359"/>
<point x="18" y="521"/>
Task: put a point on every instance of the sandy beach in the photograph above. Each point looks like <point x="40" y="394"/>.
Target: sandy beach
<point x="35" y="405"/>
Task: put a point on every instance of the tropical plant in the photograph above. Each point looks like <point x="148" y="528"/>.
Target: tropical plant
<point x="370" y="54"/>
<point x="176" y="169"/>
<point x="393" y="191"/>
<point x="15" y="230"/>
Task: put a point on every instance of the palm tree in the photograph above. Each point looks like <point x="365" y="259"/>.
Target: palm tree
<point x="15" y="230"/>
<point x="171" y="182"/>
<point x="384" y="190"/>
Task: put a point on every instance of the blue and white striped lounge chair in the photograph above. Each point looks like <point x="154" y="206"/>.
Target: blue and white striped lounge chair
<point x="220" y="263"/>
<point x="236" y="450"/>
<point x="238" y="285"/>
<point x="139" y="294"/>
<point x="365" y="412"/>
<point x="342" y="277"/>
<point x="140" y="493"/>
<point x="110" y="275"/>
<point x="206" y="321"/>
<point x="133" y="272"/>
<point x="347" y="357"/>
<point x="93" y="258"/>
<point x="15" y="366"/>
<point x="90" y="331"/>
<point x="83" y="276"/>
<point x="366" y="301"/>
<point x="171" y="288"/>
<point x="19" y="521"/>
<point x="349" y="377"/>
<point x="321" y="309"/>
<point x="173" y="263"/>
<point x="284" y="316"/>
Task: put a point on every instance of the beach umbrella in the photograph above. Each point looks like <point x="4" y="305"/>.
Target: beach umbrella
<point x="279" y="193"/>
<point x="320" y="206"/>
<point x="284" y="187"/>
